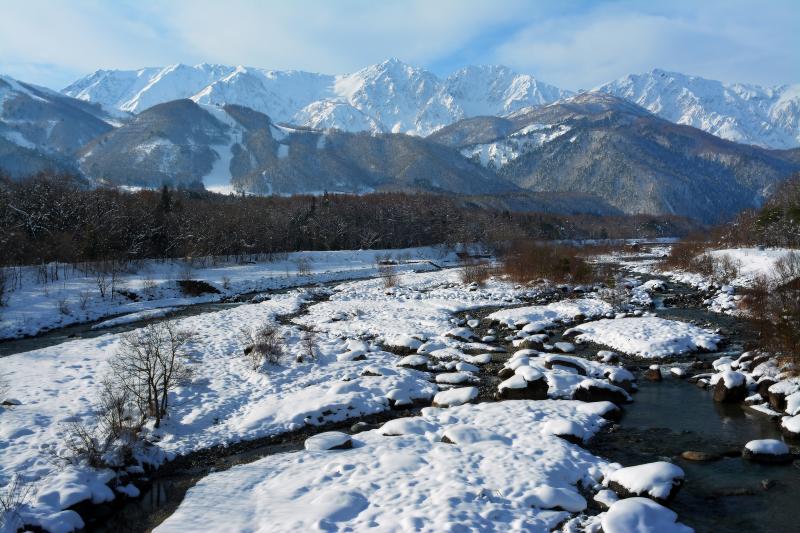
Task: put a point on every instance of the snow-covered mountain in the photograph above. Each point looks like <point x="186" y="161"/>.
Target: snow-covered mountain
<point x="602" y="145"/>
<point x="751" y="114"/>
<point x="394" y="97"/>
<point x="390" y="97"/>
<point x="40" y="129"/>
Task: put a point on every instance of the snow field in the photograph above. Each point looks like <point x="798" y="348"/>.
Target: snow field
<point x="648" y="337"/>
<point x="408" y="478"/>
<point x="34" y="307"/>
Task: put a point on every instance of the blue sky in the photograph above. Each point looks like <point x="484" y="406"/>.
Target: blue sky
<point x="573" y="44"/>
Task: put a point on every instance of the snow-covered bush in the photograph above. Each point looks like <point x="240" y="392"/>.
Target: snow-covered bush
<point x="262" y="344"/>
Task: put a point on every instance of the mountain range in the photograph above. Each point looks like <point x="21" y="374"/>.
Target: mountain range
<point x="660" y="143"/>
<point x="394" y="97"/>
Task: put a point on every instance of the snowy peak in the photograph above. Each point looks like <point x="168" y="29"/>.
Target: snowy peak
<point x="391" y="96"/>
<point x="498" y="90"/>
<point x="764" y="116"/>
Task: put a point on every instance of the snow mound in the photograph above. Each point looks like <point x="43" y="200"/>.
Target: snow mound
<point x="453" y="397"/>
<point x="648" y="337"/>
<point x="543" y="316"/>
<point x="329" y="440"/>
<point x="641" y="515"/>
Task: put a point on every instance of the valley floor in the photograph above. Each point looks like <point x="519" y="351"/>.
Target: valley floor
<point x="518" y="379"/>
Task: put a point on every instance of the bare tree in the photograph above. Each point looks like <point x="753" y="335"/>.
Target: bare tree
<point x="149" y="364"/>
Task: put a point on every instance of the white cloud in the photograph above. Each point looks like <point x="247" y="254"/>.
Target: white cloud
<point x="572" y="44"/>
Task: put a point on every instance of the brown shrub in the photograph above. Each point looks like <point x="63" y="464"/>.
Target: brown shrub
<point x="475" y="271"/>
<point x="531" y="261"/>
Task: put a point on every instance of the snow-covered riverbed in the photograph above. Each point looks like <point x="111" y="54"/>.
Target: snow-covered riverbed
<point x="505" y="465"/>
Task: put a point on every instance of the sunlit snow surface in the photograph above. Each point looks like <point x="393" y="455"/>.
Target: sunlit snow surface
<point x="501" y="474"/>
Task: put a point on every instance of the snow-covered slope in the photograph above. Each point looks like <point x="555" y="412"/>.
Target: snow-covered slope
<point x="41" y="129"/>
<point x="764" y="116"/>
<point x="387" y="97"/>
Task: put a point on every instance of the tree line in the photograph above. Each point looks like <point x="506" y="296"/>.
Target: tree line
<point x="57" y="218"/>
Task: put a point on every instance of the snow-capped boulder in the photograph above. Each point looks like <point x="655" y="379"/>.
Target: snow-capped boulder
<point x="570" y="363"/>
<point x="593" y="390"/>
<point x="453" y="397"/>
<point x="653" y="373"/>
<point x="464" y="434"/>
<point x="641" y="515"/>
<point x="526" y="384"/>
<point x="790" y="425"/>
<point x="402" y="344"/>
<point x="729" y="386"/>
<point x="464" y="334"/>
<point x="607" y="410"/>
<point x="415" y="361"/>
<point x="565" y="347"/>
<point x="406" y="426"/>
<point x="659" y="480"/>
<point x="621" y="377"/>
<point x="454" y="378"/>
<point x="770" y="451"/>
<point x="330" y="440"/>
<point x="568" y="430"/>
<point x="560" y="499"/>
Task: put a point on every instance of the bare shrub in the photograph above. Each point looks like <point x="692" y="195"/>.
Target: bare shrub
<point x="149" y="364"/>
<point x="102" y="282"/>
<point x="63" y="305"/>
<point x="226" y="283"/>
<point x="726" y="268"/>
<point x="689" y="255"/>
<point x="614" y="293"/>
<point x="308" y="345"/>
<point x="527" y="261"/>
<point x="262" y="344"/>
<point x="83" y="299"/>
<point x="85" y="443"/>
<point x="787" y="268"/>
<point x="303" y="266"/>
<point x="185" y="269"/>
<point x="773" y="307"/>
<point x="387" y="271"/>
<point x="473" y="271"/>
<point x="149" y="286"/>
<point x="16" y="495"/>
<point x="4" y="286"/>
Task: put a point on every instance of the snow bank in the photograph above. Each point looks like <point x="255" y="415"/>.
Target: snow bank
<point x="539" y="317"/>
<point x="35" y="307"/>
<point x="413" y="481"/>
<point x="752" y="262"/>
<point x="648" y="337"/>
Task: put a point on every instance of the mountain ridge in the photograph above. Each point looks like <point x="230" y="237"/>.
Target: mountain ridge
<point x="395" y="97"/>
